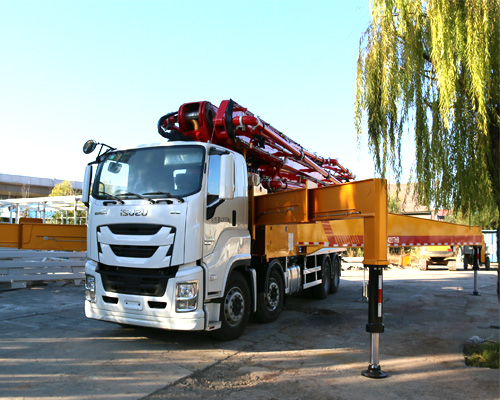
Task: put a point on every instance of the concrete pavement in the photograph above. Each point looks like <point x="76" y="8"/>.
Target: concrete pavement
<point x="316" y="349"/>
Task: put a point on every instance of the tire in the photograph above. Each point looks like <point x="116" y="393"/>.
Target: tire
<point x="270" y="301"/>
<point x="459" y="257"/>
<point x="320" y="292"/>
<point x="487" y="262"/>
<point x="235" y="308"/>
<point x="423" y="264"/>
<point x="335" y="281"/>
<point x="466" y="261"/>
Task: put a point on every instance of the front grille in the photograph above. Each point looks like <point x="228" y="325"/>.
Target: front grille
<point x="133" y="251"/>
<point x="140" y="281"/>
<point x="135" y="229"/>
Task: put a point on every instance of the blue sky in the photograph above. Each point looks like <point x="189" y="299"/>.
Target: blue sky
<point x="73" y="70"/>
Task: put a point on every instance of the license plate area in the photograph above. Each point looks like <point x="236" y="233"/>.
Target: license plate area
<point x="132" y="305"/>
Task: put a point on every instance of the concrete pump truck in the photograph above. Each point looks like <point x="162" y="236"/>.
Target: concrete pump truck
<point x="178" y="239"/>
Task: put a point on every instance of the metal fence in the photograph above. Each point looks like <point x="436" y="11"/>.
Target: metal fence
<point x="19" y="267"/>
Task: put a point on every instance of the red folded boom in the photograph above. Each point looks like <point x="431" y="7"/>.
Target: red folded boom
<point x="280" y="162"/>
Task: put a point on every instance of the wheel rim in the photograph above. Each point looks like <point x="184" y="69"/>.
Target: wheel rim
<point x="272" y="295"/>
<point x="234" y="306"/>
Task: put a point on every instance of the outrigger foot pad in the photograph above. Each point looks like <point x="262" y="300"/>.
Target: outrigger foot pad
<point x="374" y="372"/>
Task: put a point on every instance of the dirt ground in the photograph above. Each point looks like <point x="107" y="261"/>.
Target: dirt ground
<point x="316" y="349"/>
<point x="428" y="316"/>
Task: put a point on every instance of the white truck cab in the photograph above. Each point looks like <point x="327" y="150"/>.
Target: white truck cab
<point x="168" y="225"/>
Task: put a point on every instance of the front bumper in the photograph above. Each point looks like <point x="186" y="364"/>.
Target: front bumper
<point x="147" y="311"/>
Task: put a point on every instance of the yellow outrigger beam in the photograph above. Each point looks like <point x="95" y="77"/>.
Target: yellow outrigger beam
<point x="296" y="221"/>
<point x="349" y="215"/>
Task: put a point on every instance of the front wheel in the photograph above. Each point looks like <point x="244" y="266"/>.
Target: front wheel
<point x="334" y="285"/>
<point x="235" y="308"/>
<point x="487" y="264"/>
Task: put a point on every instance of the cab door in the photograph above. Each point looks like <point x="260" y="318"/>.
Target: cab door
<point x="219" y="213"/>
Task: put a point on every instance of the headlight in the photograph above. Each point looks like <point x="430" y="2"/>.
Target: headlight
<point x="90" y="288"/>
<point x="186" y="296"/>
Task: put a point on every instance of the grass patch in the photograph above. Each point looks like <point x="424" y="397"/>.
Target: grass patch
<point x="486" y="355"/>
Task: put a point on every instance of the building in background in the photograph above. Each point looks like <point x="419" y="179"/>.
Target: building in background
<point x="19" y="186"/>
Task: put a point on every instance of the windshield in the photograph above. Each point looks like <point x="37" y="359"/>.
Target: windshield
<point x="150" y="172"/>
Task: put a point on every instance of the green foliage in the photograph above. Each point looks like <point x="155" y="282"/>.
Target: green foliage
<point x="486" y="218"/>
<point x="67" y="214"/>
<point x="394" y="205"/>
<point x="485" y="355"/>
<point x="432" y="67"/>
<point x="354" y="252"/>
<point x="64" y="189"/>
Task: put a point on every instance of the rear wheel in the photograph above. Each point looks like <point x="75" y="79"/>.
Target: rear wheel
<point x="466" y="261"/>
<point x="270" y="301"/>
<point x="321" y="291"/>
<point x="487" y="262"/>
<point x="459" y="257"/>
<point x="336" y="265"/>
<point x="235" y="308"/>
<point x="423" y="264"/>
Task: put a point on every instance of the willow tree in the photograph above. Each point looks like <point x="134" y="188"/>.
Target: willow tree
<point x="431" y="68"/>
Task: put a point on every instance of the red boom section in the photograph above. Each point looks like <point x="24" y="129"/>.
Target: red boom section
<point x="279" y="161"/>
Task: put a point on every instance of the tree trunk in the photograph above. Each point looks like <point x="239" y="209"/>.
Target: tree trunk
<point x="494" y="172"/>
<point x="494" y="131"/>
<point x="498" y="207"/>
<point x="498" y="243"/>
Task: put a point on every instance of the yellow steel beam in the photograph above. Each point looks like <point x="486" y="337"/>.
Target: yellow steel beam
<point x="366" y="200"/>
<point x="351" y="215"/>
<point x="363" y="199"/>
<point x="10" y="235"/>
<point x="403" y="231"/>
<point x="288" y="207"/>
<point x="412" y="231"/>
<point x="36" y="236"/>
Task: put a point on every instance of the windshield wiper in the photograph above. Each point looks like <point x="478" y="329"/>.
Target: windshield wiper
<point x="136" y="195"/>
<point x="166" y="194"/>
<point x="113" y="197"/>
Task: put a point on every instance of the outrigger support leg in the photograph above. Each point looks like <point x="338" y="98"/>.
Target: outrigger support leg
<point x="375" y="325"/>
<point x="477" y="256"/>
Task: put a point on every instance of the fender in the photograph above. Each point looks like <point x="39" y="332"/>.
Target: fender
<point x="244" y="266"/>
<point x="264" y="278"/>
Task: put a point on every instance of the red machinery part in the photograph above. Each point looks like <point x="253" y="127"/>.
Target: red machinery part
<point x="280" y="162"/>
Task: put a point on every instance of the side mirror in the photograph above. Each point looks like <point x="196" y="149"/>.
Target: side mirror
<point x="86" y="185"/>
<point x="226" y="182"/>
<point x="89" y="146"/>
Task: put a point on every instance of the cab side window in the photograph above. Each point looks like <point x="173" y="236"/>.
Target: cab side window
<point x="213" y="178"/>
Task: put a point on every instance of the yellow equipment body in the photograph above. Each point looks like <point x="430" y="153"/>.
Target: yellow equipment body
<point x="296" y="222"/>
